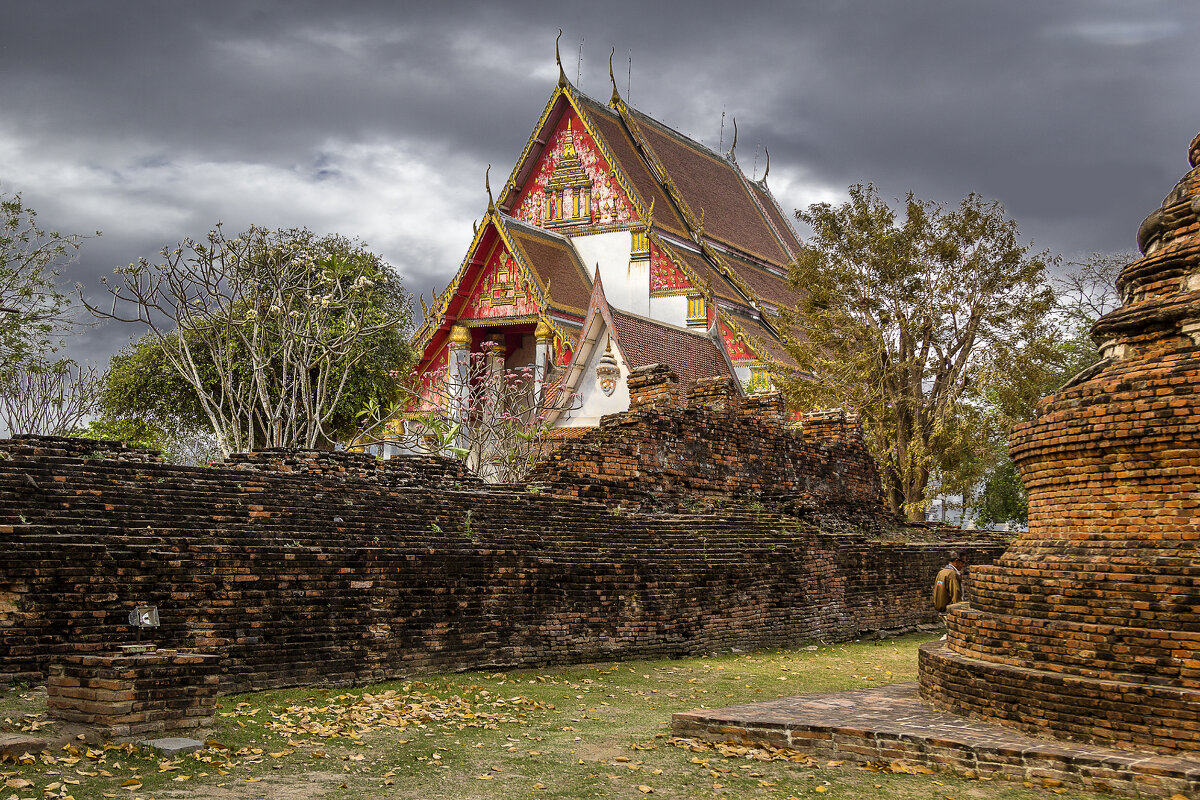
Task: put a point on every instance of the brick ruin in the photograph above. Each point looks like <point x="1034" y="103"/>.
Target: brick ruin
<point x="1088" y="628"/>
<point x="326" y="568"/>
<point x="713" y="445"/>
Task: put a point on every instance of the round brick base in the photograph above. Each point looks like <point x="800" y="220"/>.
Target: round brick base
<point x="1118" y="714"/>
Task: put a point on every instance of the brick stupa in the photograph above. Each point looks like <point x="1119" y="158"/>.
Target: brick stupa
<point x="1088" y="628"/>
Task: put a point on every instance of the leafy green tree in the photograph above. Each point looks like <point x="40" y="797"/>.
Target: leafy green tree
<point x="1086" y="291"/>
<point x="39" y="392"/>
<point x="34" y="314"/>
<point x="1004" y="499"/>
<point x="268" y="338"/>
<point x="935" y="328"/>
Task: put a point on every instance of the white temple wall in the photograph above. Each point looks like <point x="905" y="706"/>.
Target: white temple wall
<point x="594" y="402"/>
<point x="671" y="310"/>
<point x="626" y="284"/>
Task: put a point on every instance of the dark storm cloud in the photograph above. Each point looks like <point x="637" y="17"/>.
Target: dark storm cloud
<point x="154" y="120"/>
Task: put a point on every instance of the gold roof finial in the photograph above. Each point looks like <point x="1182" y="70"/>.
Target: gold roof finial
<point x="650" y="215"/>
<point x="767" y="169"/>
<point x="616" y="96"/>
<point x="732" y="156"/>
<point x="487" y="184"/>
<point x="562" y="76"/>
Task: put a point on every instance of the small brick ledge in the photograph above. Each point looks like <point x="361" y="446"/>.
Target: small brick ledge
<point x="130" y="695"/>
<point x="888" y="723"/>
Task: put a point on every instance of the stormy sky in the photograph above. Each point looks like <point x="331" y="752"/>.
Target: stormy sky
<point x="151" y="121"/>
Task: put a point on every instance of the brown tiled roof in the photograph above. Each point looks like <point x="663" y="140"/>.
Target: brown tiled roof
<point x="782" y="226"/>
<point x="555" y="261"/>
<point x="690" y="355"/>
<point x="766" y="284"/>
<point x="573" y="432"/>
<point x="608" y="124"/>
<point x="711" y="183"/>
<point x="763" y="339"/>
<point x="707" y="272"/>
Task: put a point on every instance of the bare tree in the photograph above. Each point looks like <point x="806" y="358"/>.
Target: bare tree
<point x="493" y="418"/>
<point x="278" y="317"/>
<point x="47" y="399"/>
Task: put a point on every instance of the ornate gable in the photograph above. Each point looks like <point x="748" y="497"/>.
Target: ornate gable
<point x="665" y="275"/>
<point x="500" y="290"/>
<point x="735" y="342"/>
<point x="572" y="183"/>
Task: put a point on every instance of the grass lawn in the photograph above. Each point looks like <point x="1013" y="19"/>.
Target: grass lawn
<point x="590" y="731"/>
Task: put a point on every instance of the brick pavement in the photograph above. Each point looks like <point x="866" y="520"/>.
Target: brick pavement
<point x="887" y="723"/>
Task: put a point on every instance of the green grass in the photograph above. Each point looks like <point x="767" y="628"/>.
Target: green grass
<point x="591" y="731"/>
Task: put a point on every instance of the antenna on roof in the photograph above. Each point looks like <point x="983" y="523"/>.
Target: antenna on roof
<point x="754" y="172"/>
<point x="629" y="76"/>
<point x="721" y="146"/>
<point x="579" y="63"/>
<point x="562" y="76"/>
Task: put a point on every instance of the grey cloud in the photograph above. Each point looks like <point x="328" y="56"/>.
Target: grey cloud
<point x="1075" y="114"/>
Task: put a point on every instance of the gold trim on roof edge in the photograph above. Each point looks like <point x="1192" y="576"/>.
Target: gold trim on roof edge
<point x="511" y="190"/>
<point x="748" y="339"/>
<point x="541" y="295"/>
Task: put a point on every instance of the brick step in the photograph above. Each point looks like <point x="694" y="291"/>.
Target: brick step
<point x="1088" y="710"/>
<point x="1110" y="652"/>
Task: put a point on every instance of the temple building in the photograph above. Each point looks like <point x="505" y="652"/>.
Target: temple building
<point x="617" y="242"/>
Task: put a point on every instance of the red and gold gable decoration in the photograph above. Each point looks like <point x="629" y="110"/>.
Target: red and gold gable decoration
<point x="735" y="346"/>
<point x="500" y="291"/>
<point x="664" y="274"/>
<point x="609" y="202"/>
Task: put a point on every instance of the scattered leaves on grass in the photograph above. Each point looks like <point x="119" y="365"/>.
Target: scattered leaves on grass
<point x="352" y="717"/>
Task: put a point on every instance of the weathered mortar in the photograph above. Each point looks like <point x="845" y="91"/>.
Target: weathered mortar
<point x="307" y="568"/>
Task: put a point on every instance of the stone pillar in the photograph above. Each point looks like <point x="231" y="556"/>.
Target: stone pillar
<point x="1088" y="628"/>
<point x="543" y="357"/>
<point x="653" y="387"/>
<point x="457" y="367"/>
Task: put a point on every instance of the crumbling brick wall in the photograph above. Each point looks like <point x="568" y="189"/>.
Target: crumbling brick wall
<point x="714" y="444"/>
<point x="302" y="568"/>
